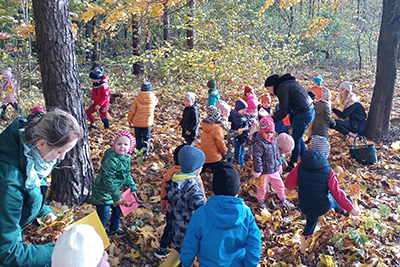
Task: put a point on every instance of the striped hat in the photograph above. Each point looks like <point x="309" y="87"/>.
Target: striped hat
<point x="132" y="140"/>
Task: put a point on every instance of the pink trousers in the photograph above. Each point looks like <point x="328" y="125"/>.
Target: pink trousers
<point x="277" y="184"/>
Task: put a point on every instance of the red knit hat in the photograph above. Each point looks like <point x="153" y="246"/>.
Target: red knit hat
<point x="248" y="89"/>
<point x="132" y="140"/>
<point x="267" y="125"/>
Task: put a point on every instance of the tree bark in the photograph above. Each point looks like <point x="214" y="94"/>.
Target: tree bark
<point x="61" y="88"/>
<point x="136" y="43"/>
<point x="191" y="32"/>
<point x="386" y="71"/>
<point x="166" y="22"/>
<point x="95" y="42"/>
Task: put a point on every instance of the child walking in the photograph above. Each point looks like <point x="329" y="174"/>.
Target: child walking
<point x="9" y="88"/>
<point x="223" y="232"/>
<point x="100" y="98"/>
<point x="252" y="121"/>
<point x="285" y="145"/>
<point x="239" y="123"/>
<point x="190" y="118"/>
<point x="317" y="88"/>
<point x="141" y="116"/>
<point x="267" y="162"/>
<point x="213" y="93"/>
<point x="114" y="172"/>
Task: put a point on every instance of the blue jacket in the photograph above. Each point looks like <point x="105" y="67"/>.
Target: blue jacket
<point x="223" y="233"/>
<point x="213" y="97"/>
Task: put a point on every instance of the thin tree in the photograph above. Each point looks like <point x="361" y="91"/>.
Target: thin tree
<point x="386" y="71"/>
<point x="191" y="31"/>
<point x="72" y="182"/>
<point x="136" y="44"/>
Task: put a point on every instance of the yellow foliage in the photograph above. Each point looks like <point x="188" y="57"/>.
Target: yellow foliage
<point x="327" y="260"/>
<point x="74" y="29"/>
<point x="315" y="26"/>
<point x="88" y="15"/>
<point x="25" y="30"/>
<point x="286" y="4"/>
<point x="147" y="231"/>
<point x="134" y="254"/>
<point x="267" y="4"/>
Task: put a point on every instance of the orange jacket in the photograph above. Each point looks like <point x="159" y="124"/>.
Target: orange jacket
<point x="212" y="142"/>
<point x="317" y="91"/>
<point x="141" y="112"/>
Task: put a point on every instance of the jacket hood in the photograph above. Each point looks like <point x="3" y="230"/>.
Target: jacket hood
<point x="146" y="97"/>
<point x="284" y="78"/>
<point x="225" y="212"/>
<point x="194" y="106"/>
<point x="209" y="121"/>
<point x="183" y="182"/>
<point x="314" y="160"/>
<point x="258" y="137"/>
<point x="11" y="148"/>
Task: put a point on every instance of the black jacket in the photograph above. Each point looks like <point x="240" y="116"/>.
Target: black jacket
<point x="356" y="115"/>
<point x="238" y="122"/>
<point x="190" y="120"/>
<point x="292" y="98"/>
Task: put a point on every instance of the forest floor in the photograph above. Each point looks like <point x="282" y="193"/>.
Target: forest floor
<point x="370" y="239"/>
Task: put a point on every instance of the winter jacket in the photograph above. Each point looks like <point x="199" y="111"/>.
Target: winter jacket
<point x="114" y="172"/>
<point x="19" y="205"/>
<point x="266" y="156"/>
<point x="212" y="141"/>
<point x="228" y="137"/>
<point x="316" y="180"/>
<point x="222" y="233"/>
<point x="164" y="185"/>
<point x="355" y="114"/>
<point x="141" y="112"/>
<point x="322" y="119"/>
<point x="213" y="97"/>
<point x="292" y="98"/>
<point x="101" y="92"/>
<point x="317" y="90"/>
<point x="238" y="122"/>
<point x="190" y="120"/>
<point x="185" y="195"/>
<point x="9" y="89"/>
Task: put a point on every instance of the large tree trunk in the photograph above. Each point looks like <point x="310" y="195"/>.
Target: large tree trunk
<point x="191" y="32"/>
<point x="386" y="70"/>
<point x="61" y="88"/>
<point x="136" y="44"/>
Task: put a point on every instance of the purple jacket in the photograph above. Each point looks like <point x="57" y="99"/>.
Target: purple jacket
<point x="266" y="157"/>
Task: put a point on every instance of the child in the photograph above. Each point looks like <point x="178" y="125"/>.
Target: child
<point x="313" y="97"/>
<point x="239" y="123"/>
<point x="9" y="88"/>
<point x="264" y="109"/>
<point x="190" y="119"/>
<point x="100" y="98"/>
<point x="212" y="141"/>
<point x="267" y="162"/>
<point x="213" y="93"/>
<point x="229" y="134"/>
<point x="114" y="172"/>
<point x="141" y="116"/>
<point x="316" y="89"/>
<point x="248" y="91"/>
<point x="223" y="232"/>
<point x="321" y="123"/>
<point x="34" y="111"/>
<point x="285" y="145"/>
<point x="252" y="121"/>
<point x="318" y="189"/>
<point x="79" y="246"/>
<point x="166" y="238"/>
<point x="185" y="192"/>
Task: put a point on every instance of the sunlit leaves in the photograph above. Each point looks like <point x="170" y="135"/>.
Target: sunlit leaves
<point x="25" y="30"/>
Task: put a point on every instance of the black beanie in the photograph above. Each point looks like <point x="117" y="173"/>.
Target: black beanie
<point x="211" y="84"/>
<point x="272" y="80"/>
<point x="226" y="180"/>
<point x="176" y="152"/>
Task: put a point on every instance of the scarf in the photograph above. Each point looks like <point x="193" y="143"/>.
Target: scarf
<point x="349" y="100"/>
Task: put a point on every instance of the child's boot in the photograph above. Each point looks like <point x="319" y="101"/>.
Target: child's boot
<point x="106" y="123"/>
<point x="287" y="203"/>
<point x="161" y="253"/>
<point x="92" y="126"/>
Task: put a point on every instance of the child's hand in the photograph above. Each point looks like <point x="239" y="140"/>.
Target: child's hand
<point x="180" y="127"/>
<point x="97" y="107"/>
<point x="256" y="174"/>
<point x="119" y="203"/>
<point x="187" y="133"/>
<point x="242" y="144"/>
<point x="164" y="210"/>
<point x="284" y="164"/>
<point x="240" y="132"/>
<point x="355" y="211"/>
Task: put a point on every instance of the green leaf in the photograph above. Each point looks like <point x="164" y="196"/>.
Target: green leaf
<point x="370" y="224"/>
<point x="340" y="244"/>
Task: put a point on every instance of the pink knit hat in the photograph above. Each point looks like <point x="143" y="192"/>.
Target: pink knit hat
<point x="285" y="142"/>
<point x="251" y="104"/>
<point x="7" y="74"/>
<point x="38" y="108"/>
<point x="267" y="125"/>
<point x="132" y="140"/>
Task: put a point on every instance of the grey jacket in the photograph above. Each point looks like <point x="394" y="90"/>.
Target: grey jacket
<point x="266" y="156"/>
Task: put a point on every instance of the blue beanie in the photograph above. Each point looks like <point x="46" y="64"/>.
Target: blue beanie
<point x="318" y="80"/>
<point x="96" y="73"/>
<point x="146" y="87"/>
<point x="191" y="159"/>
<point x="240" y="104"/>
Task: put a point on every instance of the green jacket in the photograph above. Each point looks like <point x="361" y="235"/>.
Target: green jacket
<point x="114" y="172"/>
<point x="19" y="205"/>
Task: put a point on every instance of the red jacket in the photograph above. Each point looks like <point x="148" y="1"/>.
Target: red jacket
<point x="101" y="93"/>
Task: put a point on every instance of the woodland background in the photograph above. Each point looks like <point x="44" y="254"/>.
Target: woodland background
<point x="178" y="46"/>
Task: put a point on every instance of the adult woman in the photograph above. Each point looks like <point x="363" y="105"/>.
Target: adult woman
<point x="293" y="98"/>
<point x="28" y="153"/>
<point x="353" y="117"/>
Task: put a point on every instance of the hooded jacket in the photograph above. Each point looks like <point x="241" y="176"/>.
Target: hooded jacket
<point x="292" y="98"/>
<point x="101" y="92"/>
<point x="190" y="120"/>
<point x="212" y="141"/>
<point x="322" y="119"/>
<point x="185" y="195"/>
<point x="141" y="112"/>
<point x="114" y="172"/>
<point x="19" y="205"/>
<point x="223" y="233"/>
<point x="266" y="156"/>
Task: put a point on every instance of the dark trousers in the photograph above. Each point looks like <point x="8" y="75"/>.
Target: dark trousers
<point x="166" y="238"/>
<point x="142" y="135"/>
<point x="189" y="139"/>
<point x="300" y="124"/>
<point x="104" y="214"/>
<point x="213" y="166"/>
<point x="344" y="127"/>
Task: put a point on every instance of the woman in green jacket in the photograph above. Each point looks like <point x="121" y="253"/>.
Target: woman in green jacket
<point x="28" y="153"/>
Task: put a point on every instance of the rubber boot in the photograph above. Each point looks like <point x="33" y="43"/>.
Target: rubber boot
<point x="106" y="123"/>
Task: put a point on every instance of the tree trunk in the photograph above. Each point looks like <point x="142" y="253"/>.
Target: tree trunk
<point x="386" y="70"/>
<point x="191" y="32"/>
<point x="88" y="34"/>
<point x="166" y="22"/>
<point x="95" y="42"/>
<point x="136" y="42"/>
<point x="61" y="88"/>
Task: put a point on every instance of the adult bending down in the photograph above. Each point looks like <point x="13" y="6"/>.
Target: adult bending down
<point x="353" y="115"/>
<point x="293" y="98"/>
<point x="28" y="153"/>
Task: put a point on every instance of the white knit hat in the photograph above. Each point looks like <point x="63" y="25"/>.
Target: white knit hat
<point x="191" y="97"/>
<point x="285" y="142"/>
<point x="346" y="85"/>
<point x="81" y="246"/>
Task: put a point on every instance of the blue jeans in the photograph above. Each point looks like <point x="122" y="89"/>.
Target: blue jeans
<point x="239" y="152"/>
<point x="104" y="214"/>
<point x="142" y="136"/>
<point x="300" y="124"/>
<point x="312" y="219"/>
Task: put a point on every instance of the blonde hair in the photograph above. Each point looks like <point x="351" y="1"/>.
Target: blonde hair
<point x="56" y="127"/>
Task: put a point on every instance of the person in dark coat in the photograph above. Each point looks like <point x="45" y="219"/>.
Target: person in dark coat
<point x="239" y="123"/>
<point x="190" y="119"/>
<point x="293" y="98"/>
